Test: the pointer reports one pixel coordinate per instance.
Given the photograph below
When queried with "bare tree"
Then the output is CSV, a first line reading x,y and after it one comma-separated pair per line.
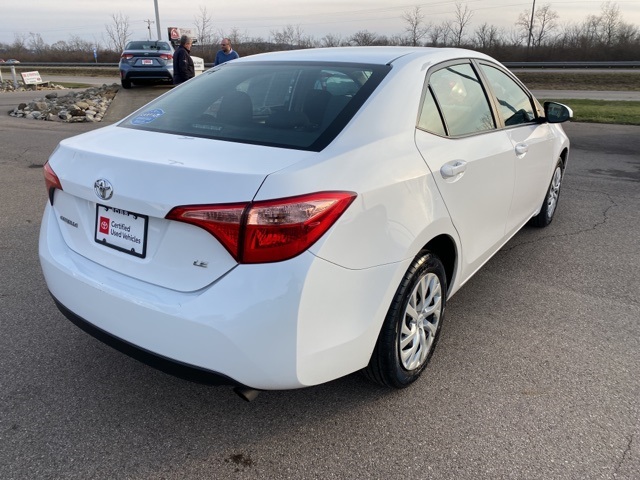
x,y
382,40
545,21
331,40
19,44
609,23
204,31
628,34
486,36
590,29
438,35
235,35
415,26
402,40
363,38
118,33
291,35
458,26
515,38
36,43
76,43
60,46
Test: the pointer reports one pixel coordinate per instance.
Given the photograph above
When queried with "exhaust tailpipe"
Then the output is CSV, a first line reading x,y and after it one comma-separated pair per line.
x,y
246,393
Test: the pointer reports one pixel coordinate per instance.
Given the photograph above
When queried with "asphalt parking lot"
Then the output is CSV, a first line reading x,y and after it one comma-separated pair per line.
x,y
537,374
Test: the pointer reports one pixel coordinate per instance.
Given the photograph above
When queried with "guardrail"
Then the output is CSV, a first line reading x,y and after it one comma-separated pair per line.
x,y
588,65
59,65
568,65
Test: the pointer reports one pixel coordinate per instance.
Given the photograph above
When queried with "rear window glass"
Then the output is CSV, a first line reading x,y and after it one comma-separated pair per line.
x,y
290,105
138,45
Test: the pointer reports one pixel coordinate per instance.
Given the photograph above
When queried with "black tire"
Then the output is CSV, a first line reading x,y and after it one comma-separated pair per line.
x,y
126,83
550,203
405,346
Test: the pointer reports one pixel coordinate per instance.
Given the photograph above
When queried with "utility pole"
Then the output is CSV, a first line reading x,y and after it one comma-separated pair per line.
x,y
533,11
149,22
157,19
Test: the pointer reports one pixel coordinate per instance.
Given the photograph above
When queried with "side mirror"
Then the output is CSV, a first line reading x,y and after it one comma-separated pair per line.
x,y
557,112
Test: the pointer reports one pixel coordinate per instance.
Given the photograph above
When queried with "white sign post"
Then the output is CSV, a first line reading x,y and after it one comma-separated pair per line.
x,y
15,79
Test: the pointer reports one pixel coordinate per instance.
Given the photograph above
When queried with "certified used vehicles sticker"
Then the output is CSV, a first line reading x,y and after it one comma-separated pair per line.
x,y
147,117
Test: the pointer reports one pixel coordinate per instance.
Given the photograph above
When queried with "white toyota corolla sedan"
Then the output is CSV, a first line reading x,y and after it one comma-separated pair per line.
x,y
290,218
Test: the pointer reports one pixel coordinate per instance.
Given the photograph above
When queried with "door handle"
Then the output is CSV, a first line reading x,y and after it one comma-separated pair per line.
x,y
453,169
522,148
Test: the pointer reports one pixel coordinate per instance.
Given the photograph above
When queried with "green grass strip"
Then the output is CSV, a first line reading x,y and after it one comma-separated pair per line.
x,y
603,111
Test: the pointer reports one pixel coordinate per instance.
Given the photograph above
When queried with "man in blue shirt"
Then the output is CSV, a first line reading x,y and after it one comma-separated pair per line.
x,y
226,54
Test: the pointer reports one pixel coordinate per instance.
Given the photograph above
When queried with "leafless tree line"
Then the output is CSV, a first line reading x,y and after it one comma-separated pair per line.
x,y
599,37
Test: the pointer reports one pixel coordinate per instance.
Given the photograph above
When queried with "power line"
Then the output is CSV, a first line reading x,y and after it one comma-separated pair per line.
x,y
149,22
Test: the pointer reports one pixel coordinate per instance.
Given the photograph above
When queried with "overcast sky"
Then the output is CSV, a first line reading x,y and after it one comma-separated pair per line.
x,y
61,19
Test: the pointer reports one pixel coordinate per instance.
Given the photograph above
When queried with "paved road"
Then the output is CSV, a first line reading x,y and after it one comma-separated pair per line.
x,y
588,94
537,375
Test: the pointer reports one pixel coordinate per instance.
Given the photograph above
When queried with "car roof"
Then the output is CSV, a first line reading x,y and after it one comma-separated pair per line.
x,y
370,55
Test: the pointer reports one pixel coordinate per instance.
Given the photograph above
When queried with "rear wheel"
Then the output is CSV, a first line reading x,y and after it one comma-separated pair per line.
x,y
411,329
550,203
126,83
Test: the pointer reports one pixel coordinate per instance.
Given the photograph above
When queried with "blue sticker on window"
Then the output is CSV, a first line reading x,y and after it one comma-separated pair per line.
x,y
147,117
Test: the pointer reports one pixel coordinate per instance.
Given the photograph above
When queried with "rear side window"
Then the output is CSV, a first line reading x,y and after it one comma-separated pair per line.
x,y
514,104
291,105
462,100
430,119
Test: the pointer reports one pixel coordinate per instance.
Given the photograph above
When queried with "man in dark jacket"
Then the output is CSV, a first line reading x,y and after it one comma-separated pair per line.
x,y
183,68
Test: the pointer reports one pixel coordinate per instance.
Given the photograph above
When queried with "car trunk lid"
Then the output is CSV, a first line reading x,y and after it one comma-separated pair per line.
x,y
141,176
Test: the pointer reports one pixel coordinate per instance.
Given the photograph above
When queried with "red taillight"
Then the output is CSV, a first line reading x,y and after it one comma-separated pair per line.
x,y
166,56
268,231
126,56
281,229
51,181
222,221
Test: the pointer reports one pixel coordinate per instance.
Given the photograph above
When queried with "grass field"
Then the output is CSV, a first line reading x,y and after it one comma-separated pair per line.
x,y
616,81
592,111
603,111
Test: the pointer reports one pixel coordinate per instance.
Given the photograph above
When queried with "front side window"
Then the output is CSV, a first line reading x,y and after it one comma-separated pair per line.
x,y
514,104
462,100
282,104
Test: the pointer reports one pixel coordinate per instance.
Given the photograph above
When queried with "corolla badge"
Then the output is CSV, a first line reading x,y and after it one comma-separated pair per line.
x,y
103,189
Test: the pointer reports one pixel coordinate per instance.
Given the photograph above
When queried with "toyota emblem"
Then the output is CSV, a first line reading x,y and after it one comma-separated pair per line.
x,y
103,189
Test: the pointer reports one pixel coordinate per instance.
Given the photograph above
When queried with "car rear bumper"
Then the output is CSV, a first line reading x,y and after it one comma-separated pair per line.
x,y
261,326
167,365
146,74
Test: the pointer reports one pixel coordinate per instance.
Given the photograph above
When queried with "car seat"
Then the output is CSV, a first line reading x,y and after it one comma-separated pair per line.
x,y
235,108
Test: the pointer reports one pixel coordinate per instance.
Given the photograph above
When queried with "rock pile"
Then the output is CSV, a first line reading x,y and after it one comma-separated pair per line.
x,y
8,86
89,105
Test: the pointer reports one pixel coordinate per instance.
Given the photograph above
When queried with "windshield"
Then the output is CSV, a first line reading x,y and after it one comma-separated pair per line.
x,y
291,105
